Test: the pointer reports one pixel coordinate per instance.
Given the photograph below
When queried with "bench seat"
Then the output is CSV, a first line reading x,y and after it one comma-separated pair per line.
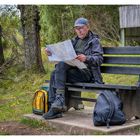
x,y
92,86
117,60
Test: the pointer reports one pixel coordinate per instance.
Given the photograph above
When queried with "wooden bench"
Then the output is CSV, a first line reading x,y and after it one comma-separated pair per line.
x,y
117,60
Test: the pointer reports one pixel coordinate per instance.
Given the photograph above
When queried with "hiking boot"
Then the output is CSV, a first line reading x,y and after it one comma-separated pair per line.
x,y
59,103
52,114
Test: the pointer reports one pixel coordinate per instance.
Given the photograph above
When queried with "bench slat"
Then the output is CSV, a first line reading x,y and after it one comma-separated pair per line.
x,y
83,99
122,50
122,60
91,86
120,70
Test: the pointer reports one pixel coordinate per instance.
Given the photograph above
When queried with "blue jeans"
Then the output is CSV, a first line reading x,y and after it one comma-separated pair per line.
x,y
65,73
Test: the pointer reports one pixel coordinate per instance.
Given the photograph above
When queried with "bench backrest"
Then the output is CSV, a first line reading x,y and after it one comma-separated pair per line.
x,y
121,60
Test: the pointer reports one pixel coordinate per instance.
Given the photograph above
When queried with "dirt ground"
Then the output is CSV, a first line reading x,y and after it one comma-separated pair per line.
x,y
16,128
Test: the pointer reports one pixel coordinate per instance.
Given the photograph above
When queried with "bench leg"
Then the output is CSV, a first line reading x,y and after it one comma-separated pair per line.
x,y
131,103
76,104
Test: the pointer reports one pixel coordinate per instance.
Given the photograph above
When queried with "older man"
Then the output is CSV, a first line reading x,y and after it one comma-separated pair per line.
x,y
88,49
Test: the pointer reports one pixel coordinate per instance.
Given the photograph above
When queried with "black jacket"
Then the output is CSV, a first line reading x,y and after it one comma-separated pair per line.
x,y
94,53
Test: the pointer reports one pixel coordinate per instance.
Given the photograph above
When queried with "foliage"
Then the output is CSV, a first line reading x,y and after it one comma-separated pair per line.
x,y
104,20
11,36
57,21
9,20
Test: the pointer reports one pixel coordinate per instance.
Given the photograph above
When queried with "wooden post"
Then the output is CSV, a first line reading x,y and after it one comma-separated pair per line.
x,y
131,103
122,37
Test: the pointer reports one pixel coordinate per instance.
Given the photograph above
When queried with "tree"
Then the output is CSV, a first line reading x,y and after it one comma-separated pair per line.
x,y
31,34
1,48
57,21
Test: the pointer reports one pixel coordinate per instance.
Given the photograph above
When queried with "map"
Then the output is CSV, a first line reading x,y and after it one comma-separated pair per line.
x,y
64,51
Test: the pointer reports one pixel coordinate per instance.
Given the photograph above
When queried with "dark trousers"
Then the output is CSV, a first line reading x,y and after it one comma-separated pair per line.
x,y
65,73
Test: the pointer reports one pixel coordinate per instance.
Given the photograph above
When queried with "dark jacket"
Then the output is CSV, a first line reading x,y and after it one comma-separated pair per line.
x,y
94,53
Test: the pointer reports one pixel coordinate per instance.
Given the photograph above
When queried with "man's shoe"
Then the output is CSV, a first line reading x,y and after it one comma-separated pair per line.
x,y
52,114
59,103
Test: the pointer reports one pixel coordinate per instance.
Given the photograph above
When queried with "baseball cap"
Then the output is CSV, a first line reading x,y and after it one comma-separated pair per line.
x,y
81,22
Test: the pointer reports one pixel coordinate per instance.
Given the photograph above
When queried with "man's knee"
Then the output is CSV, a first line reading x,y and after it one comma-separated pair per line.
x,y
60,65
71,75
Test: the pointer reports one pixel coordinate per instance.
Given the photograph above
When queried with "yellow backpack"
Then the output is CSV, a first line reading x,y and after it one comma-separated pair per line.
x,y
40,102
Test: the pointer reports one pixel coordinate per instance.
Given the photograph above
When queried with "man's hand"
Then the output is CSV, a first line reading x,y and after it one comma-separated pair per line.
x,y
48,52
81,57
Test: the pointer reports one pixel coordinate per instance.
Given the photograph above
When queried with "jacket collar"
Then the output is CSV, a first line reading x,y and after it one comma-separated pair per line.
x,y
91,36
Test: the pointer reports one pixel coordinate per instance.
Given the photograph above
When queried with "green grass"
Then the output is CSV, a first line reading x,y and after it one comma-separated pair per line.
x,y
87,95
36,124
137,129
16,95
120,79
32,123
17,90
4,133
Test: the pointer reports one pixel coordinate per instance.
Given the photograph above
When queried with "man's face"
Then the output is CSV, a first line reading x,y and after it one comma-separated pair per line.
x,y
81,31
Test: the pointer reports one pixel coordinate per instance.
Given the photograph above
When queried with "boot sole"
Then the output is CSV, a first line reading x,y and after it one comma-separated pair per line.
x,y
59,109
53,117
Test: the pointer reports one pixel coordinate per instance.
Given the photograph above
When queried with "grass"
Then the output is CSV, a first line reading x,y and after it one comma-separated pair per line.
x,y
4,133
36,124
17,90
137,130
120,79
32,123
17,94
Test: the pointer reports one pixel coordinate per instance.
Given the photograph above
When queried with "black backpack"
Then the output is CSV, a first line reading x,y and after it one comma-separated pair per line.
x,y
108,109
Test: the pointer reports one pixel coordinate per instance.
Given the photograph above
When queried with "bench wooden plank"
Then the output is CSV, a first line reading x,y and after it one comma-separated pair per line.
x,y
122,50
83,99
120,70
121,60
91,86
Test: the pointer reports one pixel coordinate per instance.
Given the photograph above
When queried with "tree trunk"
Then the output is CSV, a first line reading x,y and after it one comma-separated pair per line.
x,y
1,48
31,29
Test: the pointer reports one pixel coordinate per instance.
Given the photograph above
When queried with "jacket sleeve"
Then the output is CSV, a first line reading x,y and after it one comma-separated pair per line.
x,y
96,55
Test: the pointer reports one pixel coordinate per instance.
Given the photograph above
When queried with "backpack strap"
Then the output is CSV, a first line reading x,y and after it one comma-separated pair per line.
x,y
45,92
108,96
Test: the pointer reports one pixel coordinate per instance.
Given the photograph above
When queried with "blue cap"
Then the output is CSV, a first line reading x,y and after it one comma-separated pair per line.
x,y
81,22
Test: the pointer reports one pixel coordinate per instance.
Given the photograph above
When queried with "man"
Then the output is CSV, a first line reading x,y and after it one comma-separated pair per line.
x,y
89,51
